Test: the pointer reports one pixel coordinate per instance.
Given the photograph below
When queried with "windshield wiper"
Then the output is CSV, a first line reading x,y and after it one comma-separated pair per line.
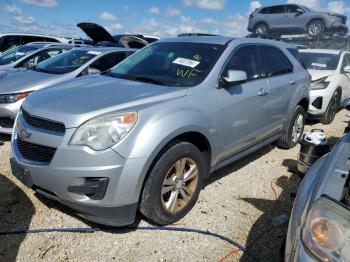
x,y
148,80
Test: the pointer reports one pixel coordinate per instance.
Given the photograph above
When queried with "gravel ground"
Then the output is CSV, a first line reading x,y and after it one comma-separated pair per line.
x,y
238,202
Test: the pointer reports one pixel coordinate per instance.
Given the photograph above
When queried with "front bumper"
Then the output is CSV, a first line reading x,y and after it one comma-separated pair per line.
x,y
71,166
319,101
9,111
337,26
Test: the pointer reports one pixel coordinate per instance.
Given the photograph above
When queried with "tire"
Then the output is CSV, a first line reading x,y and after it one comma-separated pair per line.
x,y
315,28
261,29
293,134
157,206
332,109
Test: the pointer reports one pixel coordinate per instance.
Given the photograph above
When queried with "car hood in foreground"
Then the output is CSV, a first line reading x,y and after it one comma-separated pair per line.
x,y
79,100
17,81
318,74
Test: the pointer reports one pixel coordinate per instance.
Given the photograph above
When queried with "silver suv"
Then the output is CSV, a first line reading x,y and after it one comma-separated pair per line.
x,y
295,19
147,134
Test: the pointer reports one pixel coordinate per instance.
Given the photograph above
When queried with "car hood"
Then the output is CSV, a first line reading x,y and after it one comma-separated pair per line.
x,y
96,32
16,81
79,100
318,74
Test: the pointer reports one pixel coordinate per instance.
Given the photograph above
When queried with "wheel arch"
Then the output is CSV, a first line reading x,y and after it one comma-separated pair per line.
x,y
305,104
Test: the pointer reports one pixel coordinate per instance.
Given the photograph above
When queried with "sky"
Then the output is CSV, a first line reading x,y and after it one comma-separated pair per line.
x,y
154,17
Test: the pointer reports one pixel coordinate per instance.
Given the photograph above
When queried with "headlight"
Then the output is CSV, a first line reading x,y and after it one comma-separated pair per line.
x,y
103,132
320,84
326,232
12,98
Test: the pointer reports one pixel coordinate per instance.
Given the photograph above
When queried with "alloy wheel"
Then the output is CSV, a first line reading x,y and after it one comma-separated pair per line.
x,y
315,29
298,128
261,30
179,185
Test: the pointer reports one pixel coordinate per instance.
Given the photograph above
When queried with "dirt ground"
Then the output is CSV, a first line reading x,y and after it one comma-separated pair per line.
x,y
239,202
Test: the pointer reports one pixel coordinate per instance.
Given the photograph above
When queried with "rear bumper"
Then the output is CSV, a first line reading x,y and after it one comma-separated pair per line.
x,y
338,27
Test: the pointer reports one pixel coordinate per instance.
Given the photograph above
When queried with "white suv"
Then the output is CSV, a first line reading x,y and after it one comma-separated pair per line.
x,y
330,86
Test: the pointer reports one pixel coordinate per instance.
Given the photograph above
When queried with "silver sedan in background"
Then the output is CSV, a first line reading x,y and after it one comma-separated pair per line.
x,y
30,55
15,86
319,228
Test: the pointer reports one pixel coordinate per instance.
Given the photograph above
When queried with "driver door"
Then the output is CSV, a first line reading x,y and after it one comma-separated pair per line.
x,y
242,111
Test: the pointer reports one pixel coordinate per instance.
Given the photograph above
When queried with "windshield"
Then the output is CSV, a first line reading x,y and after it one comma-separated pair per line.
x,y
320,61
66,62
15,54
170,64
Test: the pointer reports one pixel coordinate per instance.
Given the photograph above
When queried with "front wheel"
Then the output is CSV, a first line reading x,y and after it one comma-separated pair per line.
x,y
293,134
332,109
315,28
174,184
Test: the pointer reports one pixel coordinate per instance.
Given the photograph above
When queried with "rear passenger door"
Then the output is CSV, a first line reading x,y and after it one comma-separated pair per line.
x,y
278,71
243,116
276,18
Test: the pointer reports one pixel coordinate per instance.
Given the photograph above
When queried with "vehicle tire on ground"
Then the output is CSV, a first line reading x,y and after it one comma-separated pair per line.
x,y
173,185
293,134
261,29
332,108
315,28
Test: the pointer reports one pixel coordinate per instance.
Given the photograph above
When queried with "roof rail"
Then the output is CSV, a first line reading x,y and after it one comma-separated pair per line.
x,y
195,34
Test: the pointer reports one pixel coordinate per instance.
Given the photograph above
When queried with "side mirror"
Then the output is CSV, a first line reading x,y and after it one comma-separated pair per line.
x,y
235,77
346,69
93,71
300,11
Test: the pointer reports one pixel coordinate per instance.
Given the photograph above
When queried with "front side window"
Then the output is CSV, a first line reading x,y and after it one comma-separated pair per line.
x,y
108,61
66,62
320,61
15,54
346,61
172,64
274,61
30,39
292,8
245,59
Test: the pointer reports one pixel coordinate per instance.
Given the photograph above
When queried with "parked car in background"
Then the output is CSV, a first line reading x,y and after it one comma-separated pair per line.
x,y
11,40
16,86
292,19
330,85
146,134
30,55
319,228
101,37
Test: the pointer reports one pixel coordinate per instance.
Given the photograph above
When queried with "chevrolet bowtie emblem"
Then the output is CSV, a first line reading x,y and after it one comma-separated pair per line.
x,y
24,134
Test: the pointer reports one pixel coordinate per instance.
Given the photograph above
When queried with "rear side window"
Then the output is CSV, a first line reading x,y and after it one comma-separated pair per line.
x,y
264,10
30,39
277,9
48,39
8,42
245,59
297,56
108,61
274,61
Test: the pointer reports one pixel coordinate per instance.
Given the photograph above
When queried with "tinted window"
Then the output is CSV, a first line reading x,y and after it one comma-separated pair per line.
x,y
48,39
274,61
320,61
15,54
292,8
8,42
264,10
172,64
245,59
346,61
30,39
135,44
108,61
277,9
297,56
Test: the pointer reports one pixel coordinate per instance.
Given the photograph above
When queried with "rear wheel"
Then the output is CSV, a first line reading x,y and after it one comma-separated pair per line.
x,y
262,29
315,28
294,132
173,186
332,109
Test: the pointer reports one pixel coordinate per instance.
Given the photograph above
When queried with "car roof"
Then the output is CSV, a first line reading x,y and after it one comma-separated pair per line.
x,y
219,40
106,49
327,51
30,34
48,44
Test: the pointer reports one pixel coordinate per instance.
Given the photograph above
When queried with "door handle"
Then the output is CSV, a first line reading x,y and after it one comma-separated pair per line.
x,y
292,82
263,92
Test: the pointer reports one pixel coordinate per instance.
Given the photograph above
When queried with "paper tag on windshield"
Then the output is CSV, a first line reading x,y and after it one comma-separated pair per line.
x,y
319,65
186,62
94,53
20,53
